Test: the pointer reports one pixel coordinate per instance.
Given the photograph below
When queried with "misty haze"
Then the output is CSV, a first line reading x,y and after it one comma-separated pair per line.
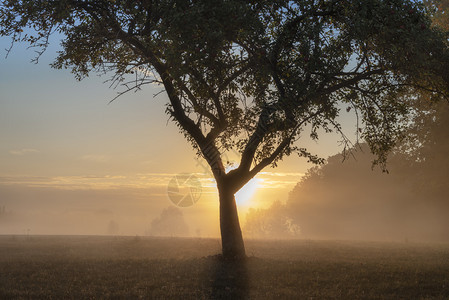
x,y
212,149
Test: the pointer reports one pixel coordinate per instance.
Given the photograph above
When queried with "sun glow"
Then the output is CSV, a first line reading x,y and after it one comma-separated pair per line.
x,y
244,196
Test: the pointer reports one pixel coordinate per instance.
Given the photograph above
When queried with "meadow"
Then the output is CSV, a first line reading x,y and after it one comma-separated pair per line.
x,y
98,267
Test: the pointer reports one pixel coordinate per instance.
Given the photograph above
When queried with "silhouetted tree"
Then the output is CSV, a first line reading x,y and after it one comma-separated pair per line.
x,y
252,75
427,151
2,212
170,223
349,200
346,199
113,227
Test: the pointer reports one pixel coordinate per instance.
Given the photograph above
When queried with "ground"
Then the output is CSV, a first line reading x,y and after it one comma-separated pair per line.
x,y
80,267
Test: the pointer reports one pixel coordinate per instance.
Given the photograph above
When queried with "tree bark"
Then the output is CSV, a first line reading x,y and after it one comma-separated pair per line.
x,y
231,235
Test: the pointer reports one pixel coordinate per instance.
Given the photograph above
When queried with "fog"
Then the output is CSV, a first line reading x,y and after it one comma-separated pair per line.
x,y
342,199
119,211
349,200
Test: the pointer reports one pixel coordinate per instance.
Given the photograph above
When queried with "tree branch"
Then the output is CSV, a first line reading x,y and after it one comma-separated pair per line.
x,y
206,145
350,82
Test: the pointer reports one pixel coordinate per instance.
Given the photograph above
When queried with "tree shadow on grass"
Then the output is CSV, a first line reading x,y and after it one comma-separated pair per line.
x,y
228,279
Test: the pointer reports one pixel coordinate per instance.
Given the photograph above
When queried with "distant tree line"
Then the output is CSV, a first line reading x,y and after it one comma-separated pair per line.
x,y
350,201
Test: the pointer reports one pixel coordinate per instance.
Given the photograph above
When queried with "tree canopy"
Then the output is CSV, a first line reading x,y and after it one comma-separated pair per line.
x,y
251,75
439,12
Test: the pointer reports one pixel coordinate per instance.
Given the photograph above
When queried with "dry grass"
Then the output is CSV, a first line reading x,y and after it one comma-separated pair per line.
x,y
163,268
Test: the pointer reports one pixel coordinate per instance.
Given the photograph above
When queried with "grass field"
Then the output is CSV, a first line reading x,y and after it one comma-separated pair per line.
x,y
80,267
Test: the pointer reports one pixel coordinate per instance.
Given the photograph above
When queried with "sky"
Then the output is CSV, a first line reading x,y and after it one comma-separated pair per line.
x,y
70,162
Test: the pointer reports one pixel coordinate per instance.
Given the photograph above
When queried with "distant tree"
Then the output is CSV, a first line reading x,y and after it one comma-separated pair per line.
x,y
349,200
3,213
346,199
113,227
273,222
170,223
427,147
252,75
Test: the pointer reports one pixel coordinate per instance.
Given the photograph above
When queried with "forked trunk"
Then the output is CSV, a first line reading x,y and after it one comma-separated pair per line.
x,y
231,234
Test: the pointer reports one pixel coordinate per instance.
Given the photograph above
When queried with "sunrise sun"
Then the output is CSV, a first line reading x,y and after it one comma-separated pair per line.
x,y
244,196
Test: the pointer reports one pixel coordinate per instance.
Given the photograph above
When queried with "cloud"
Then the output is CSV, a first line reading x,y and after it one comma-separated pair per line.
x,y
23,151
265,180
279,180
8,180
281,174
96,158
92,182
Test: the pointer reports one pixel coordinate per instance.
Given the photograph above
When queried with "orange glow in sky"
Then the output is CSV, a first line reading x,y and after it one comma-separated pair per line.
x,y
245,195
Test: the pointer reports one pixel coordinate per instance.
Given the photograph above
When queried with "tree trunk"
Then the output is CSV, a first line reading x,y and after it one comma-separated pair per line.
x,y
231,234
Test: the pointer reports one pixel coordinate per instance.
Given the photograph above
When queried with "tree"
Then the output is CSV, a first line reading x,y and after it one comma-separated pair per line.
x,y
252,76
348,200
271,222
426,147
170,223
113,227
439,10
